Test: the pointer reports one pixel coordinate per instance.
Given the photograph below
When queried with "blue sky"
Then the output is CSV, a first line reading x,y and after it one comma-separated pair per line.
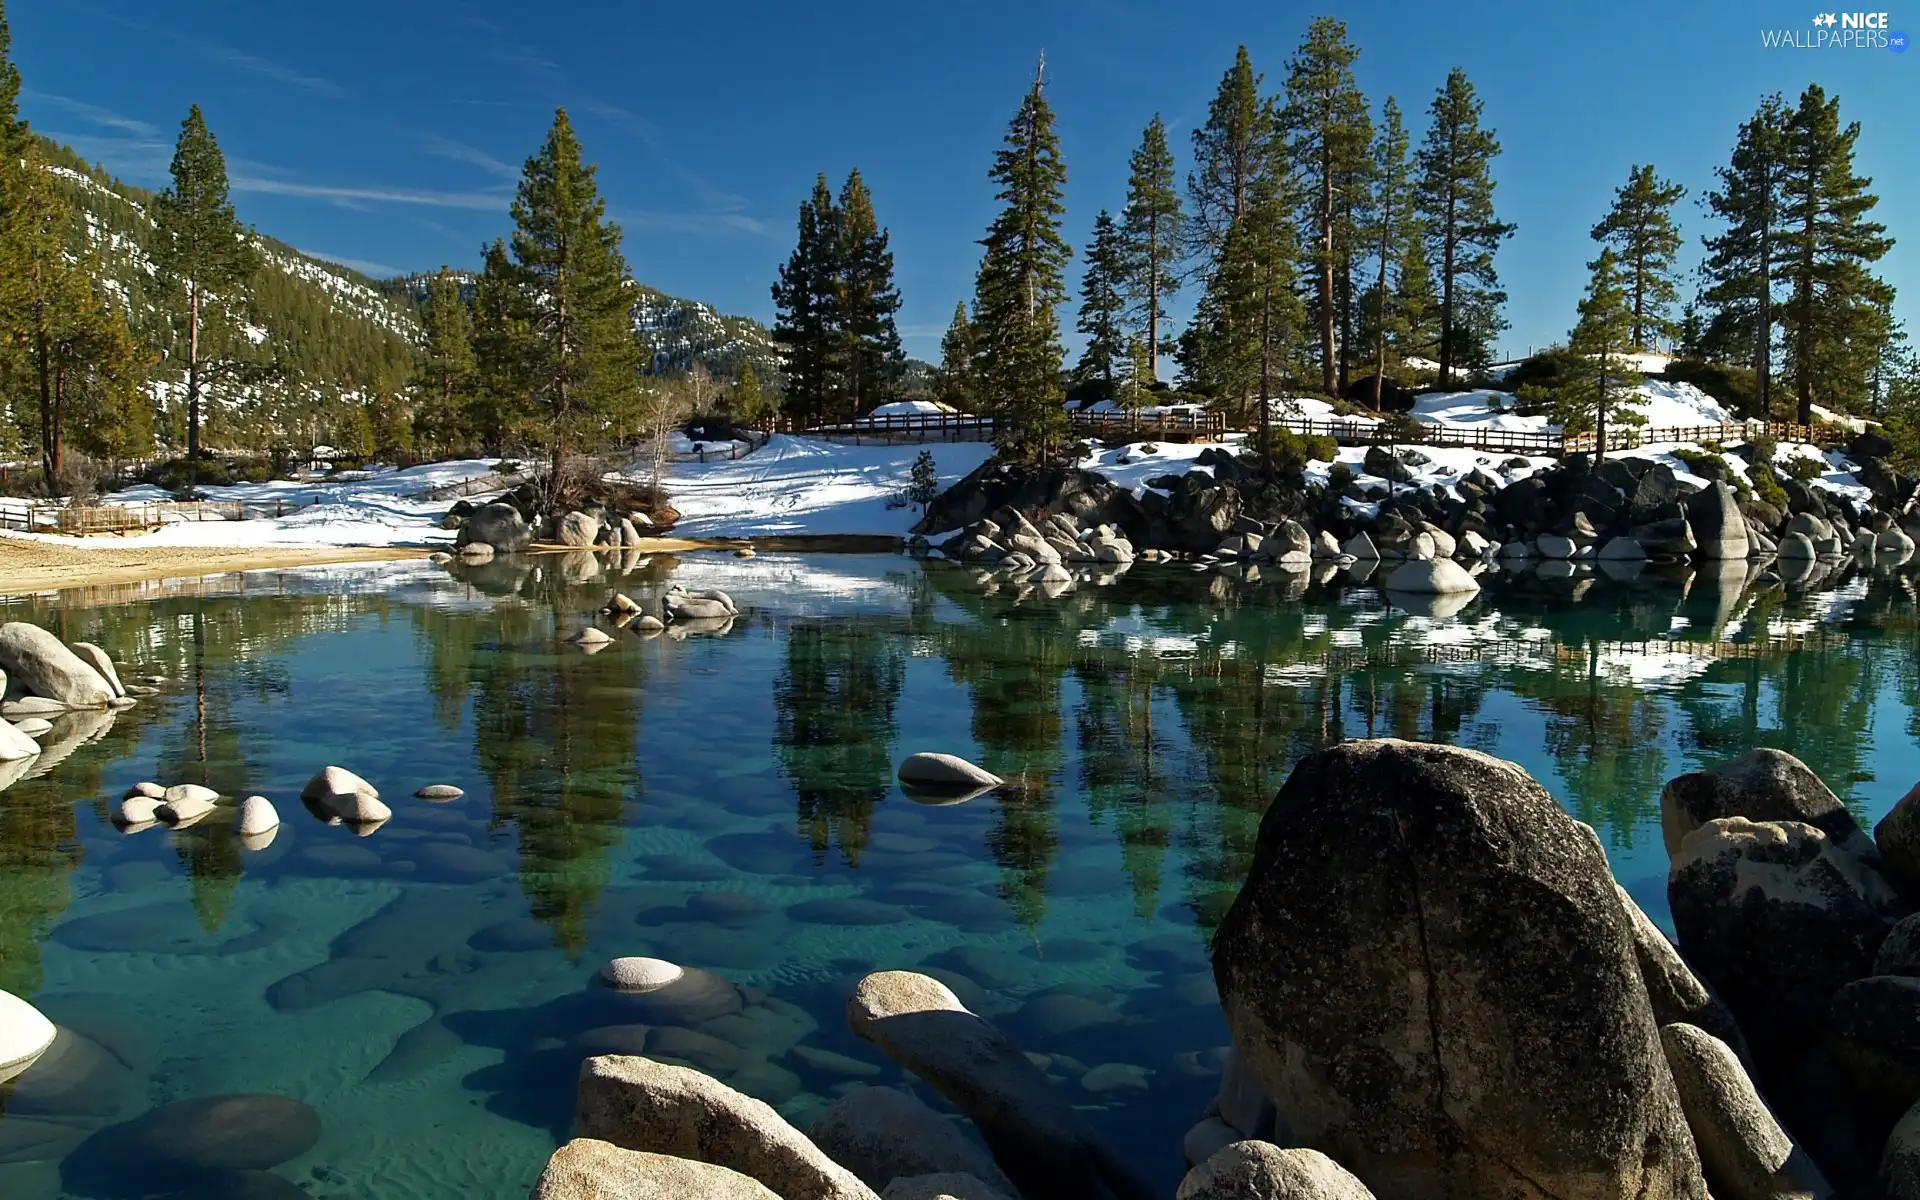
x,y
388,135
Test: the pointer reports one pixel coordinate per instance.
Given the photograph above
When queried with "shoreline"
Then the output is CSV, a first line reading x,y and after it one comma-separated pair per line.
x,y
33,567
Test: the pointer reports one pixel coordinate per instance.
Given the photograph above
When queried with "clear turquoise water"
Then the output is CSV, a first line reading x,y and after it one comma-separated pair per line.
x,y
427,990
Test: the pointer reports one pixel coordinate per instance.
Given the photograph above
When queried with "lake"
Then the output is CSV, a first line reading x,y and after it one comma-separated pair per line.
x,y
727,802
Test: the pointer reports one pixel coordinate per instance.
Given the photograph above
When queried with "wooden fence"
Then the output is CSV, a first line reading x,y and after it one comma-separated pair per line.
x,y
1347,431
41,516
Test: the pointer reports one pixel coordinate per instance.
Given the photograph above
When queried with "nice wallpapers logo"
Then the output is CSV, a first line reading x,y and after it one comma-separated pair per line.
x,y
1839,31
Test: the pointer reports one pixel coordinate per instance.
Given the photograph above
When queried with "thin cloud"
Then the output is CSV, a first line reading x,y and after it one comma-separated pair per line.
x,y
141,160
473,156
90,112
699,223
352,196
253,64
372,269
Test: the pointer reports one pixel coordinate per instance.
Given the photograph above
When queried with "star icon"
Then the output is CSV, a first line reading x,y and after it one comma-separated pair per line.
x,y
1829,20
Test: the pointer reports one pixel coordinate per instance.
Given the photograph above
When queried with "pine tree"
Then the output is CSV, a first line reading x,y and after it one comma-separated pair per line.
x,y
1151,226
954,382
502,328
447,366
583,361
749,402
1599,342
869,358
1102,307
1831,318
1231,153
203,251
1742,259
1327,131
1247,330
806,299
1018,356
1236,153
1391,235
14,175
1136,391
1640,230
1455,199
924,481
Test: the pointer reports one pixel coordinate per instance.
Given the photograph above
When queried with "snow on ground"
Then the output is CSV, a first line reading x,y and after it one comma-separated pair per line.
x,y
912,408
1856,424
1133,464
369,510
1481,408
679,444
797,485
1670,405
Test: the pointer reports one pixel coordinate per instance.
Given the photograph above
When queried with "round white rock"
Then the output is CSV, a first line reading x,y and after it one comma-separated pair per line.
x,y
640,974
24,1034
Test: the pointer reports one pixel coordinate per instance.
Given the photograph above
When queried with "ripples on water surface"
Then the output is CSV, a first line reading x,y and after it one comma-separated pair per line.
x,y
727,802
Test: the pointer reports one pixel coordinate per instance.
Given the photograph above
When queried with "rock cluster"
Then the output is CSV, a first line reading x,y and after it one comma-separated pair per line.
x,y
521,517
1227,514
53,696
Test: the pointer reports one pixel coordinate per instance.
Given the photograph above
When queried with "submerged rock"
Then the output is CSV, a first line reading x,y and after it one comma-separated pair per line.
x,y
178,1144
1038,1139
640,974
439,793
882,1134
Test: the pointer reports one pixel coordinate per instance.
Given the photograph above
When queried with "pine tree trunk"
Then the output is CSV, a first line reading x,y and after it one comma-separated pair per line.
x,y
193,370
1266,394
1600,421
1153,299
1382,302
43,359
1328,367
1803,336
1763,336
1447,246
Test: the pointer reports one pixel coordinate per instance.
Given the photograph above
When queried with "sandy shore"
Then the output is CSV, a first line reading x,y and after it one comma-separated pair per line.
x,y
35,566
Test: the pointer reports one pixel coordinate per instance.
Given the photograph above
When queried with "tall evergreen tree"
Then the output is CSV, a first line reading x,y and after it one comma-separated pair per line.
x,y
447,368
1247,330
750,403
582,359
954,382
1455,198
1231,152
1832,317
1328,134
1599,342
202,251
806,300
1392,236
869,360
1151,226
1020,283
502,329
1234,154
1640,229
1102,308
1741,260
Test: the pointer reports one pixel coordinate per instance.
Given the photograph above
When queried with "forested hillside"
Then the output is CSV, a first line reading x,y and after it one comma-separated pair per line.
x,y
318,331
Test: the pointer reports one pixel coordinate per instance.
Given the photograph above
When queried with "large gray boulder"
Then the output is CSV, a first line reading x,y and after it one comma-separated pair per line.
x,y
102,665
1875,1039
588,1169
1431,577
1898,838
1039,1140
1674,991
1263,1171
41,663
1761,785
1430,970
882,1134
929,769
1743,1150
638,1104
1900,1162
1777,916
500,526
1714,515
579,530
